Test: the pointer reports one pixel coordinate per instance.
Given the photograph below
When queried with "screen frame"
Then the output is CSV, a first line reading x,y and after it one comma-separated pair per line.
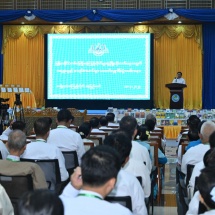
x,y
98,104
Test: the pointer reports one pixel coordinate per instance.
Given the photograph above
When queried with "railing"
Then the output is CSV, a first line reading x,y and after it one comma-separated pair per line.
x,y
104,4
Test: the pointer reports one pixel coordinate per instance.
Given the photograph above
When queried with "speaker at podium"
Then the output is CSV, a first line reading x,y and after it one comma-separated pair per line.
x,y
176,95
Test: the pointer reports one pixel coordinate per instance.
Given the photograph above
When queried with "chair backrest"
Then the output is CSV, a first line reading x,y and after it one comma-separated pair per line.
x,y
71,160
80,117
100,134
16,186
123,200
108,130
158,140
154,152
96,140
74,128
88,145
183,146
51,170
190,168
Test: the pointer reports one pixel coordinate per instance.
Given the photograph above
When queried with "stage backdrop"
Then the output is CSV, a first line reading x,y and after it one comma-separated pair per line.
x,y
176,48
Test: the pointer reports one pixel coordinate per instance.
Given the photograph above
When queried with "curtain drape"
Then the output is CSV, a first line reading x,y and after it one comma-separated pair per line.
x,y
209,66
175,48
173,55
24,64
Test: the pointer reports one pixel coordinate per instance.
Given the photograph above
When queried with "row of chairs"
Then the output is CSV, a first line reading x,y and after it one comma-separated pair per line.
x,y
183,195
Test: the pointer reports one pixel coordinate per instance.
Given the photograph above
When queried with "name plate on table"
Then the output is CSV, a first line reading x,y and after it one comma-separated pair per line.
x,y
15,90
27,90
21,90
9,90
3,90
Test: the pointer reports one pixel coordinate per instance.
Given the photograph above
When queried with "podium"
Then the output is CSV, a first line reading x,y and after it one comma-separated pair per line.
x,y
176,95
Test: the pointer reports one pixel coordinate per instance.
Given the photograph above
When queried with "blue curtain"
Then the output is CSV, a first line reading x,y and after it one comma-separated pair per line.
x,y
1,55
208,97
206,16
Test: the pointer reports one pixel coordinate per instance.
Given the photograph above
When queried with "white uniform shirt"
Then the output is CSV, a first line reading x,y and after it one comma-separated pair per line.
x,y
137,168
193,208
91,203
179,154
113,124
210,212
43,150
67,140
97,130
193,156
5,133
4,150
141,154
178,81
128,185
6,207
196,172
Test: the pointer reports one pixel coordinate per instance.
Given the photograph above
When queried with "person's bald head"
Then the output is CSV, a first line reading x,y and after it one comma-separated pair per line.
x,y
206,130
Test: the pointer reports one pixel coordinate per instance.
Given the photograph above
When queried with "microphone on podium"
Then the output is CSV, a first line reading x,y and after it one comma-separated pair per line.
x,y
175,79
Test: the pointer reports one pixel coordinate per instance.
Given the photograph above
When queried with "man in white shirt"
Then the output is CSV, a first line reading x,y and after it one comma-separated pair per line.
x,y
178,79
12,166
196,154
94,122
95,180
63,137
17,125
127,183
111,120
208,160
4,151
6,207
138,152
40,149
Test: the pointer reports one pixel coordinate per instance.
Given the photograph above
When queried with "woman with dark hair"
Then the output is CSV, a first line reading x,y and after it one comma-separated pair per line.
x,y
84,130
206,185
142,137
40,202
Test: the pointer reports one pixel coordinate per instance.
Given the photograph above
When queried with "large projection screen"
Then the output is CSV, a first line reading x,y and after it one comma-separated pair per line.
x,y
95,71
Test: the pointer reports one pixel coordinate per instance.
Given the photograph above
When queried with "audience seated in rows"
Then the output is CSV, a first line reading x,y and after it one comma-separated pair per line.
x,y
206,190
198,141
123,143
43,202
196,154
192,123
94,122
43,150
16,145
202,164
138,152
92,183
151,122
192,143
63,137
142,138
6,207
